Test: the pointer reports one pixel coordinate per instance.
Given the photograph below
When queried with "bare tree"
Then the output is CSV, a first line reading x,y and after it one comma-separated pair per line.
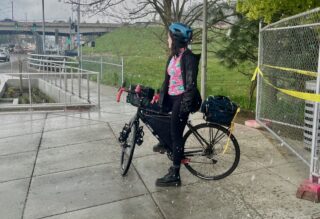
x,y
166,11
94,7
163,12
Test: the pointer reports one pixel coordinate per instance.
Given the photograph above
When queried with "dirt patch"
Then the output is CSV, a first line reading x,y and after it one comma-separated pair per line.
x,y
36,95
244,116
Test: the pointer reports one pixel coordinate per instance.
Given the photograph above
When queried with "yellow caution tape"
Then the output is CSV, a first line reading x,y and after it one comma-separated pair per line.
x,y
226,146
255,73
301,95
297,94
303,72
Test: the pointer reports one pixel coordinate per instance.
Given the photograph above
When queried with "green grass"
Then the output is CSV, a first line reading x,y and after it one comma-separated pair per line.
x,y
145,58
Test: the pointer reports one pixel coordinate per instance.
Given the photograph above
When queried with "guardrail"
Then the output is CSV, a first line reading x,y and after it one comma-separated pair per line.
x,y
59,77
42,61
111,68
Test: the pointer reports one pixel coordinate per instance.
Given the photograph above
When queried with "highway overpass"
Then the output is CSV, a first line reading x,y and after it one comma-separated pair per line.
x,y
62,29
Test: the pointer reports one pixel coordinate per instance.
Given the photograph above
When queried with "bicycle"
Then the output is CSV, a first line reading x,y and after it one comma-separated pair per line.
x,y
211,151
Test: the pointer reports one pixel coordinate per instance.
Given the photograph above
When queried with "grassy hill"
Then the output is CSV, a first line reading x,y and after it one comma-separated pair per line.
x,y
145,58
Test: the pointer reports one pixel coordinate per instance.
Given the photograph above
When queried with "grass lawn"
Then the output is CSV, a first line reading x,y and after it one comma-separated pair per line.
x,y
145,58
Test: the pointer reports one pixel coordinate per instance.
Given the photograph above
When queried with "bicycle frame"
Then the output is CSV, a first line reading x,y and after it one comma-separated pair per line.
x,y
140,115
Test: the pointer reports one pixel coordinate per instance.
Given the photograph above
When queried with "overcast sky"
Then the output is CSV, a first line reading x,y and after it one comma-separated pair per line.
x,y
32,10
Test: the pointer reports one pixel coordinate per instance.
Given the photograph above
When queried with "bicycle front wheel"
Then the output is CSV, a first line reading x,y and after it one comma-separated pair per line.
x,y
128,148
212,152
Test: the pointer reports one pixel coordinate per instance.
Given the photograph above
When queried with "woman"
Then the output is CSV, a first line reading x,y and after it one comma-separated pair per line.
x,y
179,93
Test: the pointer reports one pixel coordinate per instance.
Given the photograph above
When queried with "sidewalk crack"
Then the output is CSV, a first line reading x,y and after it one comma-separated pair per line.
x,y
34,165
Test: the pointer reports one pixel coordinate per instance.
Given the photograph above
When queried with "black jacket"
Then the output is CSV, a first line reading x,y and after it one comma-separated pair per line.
x,y
189,71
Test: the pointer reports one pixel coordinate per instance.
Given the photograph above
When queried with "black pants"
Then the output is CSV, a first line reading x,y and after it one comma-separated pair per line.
x,y
178,123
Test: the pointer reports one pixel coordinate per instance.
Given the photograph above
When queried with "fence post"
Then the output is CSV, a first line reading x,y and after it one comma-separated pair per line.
x,y
60,71
258,75
11,65
88,87
80,78
30,97
20,77
44,69
55,74
39,63
65,84
314,173
122,71
71,71
65,71
99,78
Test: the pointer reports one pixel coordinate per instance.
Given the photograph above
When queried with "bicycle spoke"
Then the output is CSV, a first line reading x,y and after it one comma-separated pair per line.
x,y
204,146
218,138
210,163
200,138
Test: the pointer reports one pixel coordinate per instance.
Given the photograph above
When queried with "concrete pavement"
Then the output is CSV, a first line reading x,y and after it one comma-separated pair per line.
x,y
5,67
66,165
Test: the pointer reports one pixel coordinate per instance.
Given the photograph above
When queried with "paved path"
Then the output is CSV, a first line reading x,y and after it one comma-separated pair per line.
x,y
66,165
5,67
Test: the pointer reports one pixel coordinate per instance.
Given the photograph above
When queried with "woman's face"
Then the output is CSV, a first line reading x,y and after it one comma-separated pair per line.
x,y
169,41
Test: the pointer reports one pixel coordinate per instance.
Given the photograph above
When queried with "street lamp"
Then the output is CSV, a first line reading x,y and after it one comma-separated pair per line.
x,y
43,29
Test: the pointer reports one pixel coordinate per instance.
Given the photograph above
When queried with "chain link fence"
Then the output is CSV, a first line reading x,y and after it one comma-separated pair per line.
x,y
288,72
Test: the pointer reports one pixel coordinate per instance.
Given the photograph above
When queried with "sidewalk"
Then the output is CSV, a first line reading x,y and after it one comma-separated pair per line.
x,y
66,165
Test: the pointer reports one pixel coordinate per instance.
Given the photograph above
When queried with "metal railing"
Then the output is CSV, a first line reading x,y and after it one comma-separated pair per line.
x,y
59,78
289,85
45,61
111,68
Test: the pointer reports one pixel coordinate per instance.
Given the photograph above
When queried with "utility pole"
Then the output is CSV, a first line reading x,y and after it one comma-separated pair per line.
x,y
78,30
43,29
204,51
11,10
70,33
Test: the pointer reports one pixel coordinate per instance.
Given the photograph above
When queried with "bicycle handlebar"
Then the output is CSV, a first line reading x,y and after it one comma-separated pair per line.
x,y
120,93
137,90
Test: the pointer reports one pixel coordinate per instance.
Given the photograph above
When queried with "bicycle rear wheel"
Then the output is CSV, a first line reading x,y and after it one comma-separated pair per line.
x,y
210,154
128,148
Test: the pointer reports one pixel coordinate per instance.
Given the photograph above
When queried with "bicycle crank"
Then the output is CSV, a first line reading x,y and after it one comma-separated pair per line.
x,y
139,136
124,133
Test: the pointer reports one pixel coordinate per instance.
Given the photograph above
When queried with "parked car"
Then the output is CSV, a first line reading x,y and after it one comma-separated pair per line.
x,y
71,53
4,55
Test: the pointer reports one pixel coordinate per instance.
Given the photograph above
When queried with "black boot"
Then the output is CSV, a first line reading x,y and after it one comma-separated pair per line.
x,y
159,148
170,179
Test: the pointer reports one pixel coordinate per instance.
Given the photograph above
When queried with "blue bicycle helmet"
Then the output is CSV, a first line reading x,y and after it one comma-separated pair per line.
x,y
181,32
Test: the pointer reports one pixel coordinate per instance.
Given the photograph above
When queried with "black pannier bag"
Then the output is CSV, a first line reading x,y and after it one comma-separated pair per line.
x,y
140,99
160,124
219,109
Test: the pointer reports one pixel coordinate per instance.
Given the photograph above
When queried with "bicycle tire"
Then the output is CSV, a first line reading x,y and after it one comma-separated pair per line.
x,y
210,157
128,148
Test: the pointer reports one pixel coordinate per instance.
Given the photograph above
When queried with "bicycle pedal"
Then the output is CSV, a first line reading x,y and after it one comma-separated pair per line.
x,y
185,161
125,145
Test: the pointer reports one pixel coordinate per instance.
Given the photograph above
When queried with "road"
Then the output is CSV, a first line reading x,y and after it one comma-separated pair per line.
x,y
5,67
